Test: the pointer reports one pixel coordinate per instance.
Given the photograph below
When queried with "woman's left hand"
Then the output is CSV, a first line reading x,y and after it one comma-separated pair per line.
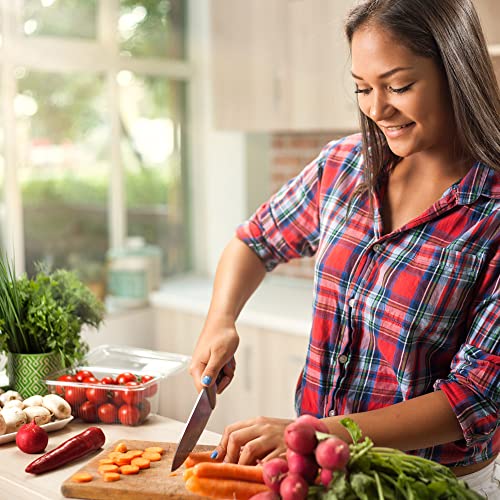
x,y
249,441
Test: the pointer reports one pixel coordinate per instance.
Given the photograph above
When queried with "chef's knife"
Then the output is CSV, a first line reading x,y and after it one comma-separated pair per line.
x,y
196,423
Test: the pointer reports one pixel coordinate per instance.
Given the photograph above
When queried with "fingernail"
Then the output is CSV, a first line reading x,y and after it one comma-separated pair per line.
x,y
206,380
214,454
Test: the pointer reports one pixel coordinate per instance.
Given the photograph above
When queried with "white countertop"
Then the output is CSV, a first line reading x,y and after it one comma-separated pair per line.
x,y
281,304
19,485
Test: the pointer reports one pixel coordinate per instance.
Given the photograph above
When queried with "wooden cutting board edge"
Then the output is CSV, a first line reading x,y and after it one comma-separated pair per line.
x,y
133,487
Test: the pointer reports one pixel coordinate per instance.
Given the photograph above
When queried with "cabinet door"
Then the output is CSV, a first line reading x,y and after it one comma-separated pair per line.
x,y
321,87
249,64
284,356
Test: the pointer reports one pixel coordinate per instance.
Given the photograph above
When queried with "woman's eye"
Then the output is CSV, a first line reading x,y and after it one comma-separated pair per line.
x,y
362,91
401,90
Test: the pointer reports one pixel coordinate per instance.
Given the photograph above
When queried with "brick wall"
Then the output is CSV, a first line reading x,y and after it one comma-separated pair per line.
x,y
290,153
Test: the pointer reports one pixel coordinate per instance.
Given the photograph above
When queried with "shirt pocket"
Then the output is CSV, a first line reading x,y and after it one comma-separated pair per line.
x,y
432,290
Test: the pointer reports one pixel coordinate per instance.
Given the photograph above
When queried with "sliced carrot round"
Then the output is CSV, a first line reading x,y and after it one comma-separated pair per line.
x,y
129,469
82,477
111,476
151,456
155,449
142,463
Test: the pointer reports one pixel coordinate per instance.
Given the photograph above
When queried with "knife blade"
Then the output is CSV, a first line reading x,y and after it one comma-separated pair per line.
x,y
195,425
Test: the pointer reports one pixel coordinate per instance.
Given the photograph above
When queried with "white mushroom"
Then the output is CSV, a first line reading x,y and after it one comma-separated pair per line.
x,y
14,403
3,425
34,401
39,414
9,396
14,418
57,405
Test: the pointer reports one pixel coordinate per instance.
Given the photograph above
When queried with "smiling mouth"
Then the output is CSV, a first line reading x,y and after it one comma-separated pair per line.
x,y
398,127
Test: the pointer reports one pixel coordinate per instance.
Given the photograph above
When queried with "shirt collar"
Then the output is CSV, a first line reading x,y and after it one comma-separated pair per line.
x,y
480,180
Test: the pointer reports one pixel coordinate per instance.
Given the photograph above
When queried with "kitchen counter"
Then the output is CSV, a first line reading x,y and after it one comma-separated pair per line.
x,y
18,485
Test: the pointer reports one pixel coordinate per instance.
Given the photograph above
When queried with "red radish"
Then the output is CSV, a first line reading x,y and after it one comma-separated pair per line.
x,y
31,438
273,472
303,465
318,424
325,477
293,487
301,437
266,495
332,453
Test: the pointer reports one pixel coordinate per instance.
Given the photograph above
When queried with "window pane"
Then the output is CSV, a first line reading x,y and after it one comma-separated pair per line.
x,y
153,120
67,18
152,28
63,165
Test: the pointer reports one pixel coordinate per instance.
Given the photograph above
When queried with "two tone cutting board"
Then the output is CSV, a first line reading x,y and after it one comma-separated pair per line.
x,y
154,483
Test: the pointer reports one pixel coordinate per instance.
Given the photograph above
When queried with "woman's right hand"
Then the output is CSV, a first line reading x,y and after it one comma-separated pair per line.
x,y
214,353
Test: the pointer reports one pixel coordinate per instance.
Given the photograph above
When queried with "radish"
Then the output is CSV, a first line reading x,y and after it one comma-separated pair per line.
x,y
31,438
325,477
293,487
303,465
318,424
266,495
301,437
273,472
332,453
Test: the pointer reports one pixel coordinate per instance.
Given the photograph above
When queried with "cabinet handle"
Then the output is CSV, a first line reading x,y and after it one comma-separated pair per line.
x,y
247,360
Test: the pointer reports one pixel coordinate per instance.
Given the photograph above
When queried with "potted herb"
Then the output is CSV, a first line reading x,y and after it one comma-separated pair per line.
x,y
41,319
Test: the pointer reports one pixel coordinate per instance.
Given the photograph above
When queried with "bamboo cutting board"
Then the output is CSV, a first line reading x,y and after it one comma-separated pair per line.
x,y
149,484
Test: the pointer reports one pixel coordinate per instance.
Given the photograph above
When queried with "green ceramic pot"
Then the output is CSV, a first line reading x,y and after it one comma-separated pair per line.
x,y
27,372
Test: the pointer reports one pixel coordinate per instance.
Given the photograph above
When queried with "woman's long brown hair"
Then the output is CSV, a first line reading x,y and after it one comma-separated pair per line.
x,y
449,32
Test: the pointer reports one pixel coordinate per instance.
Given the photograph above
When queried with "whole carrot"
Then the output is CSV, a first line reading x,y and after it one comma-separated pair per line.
x,y
224,488
239,472
89,440
196,457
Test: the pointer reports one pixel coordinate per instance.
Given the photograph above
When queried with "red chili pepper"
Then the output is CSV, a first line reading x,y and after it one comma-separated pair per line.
x,y
89,440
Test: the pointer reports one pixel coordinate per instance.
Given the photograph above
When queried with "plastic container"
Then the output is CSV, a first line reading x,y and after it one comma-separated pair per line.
x,y
109,397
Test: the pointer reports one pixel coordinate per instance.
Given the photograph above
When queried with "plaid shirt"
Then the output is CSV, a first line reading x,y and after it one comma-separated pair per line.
x,y
395,315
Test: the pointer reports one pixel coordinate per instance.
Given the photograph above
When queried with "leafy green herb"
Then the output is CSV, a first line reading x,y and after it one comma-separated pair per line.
x,y
46,313
376,473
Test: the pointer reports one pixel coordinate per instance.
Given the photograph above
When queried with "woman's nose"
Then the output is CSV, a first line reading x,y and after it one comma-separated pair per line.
x,y
380,107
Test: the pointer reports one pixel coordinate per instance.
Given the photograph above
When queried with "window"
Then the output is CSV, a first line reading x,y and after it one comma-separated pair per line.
x,y
93,140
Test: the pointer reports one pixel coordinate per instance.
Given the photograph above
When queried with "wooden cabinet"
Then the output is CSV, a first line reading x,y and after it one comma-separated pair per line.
x,y
281,65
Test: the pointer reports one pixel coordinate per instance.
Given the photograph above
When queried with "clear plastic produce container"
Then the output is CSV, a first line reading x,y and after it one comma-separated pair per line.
x,y
116,384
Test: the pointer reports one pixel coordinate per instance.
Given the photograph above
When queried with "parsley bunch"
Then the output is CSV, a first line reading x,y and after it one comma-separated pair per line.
x,y
376,473
46,313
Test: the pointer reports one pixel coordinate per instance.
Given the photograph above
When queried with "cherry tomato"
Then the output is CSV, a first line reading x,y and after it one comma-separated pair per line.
x,y
108,381
144,409
125,377
97,396
64,378
74,395
82,374
90,380
133,396
129,415
107,413
151,389
116,397
88,412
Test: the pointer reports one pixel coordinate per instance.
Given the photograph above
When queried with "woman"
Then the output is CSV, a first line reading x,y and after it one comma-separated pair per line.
x,y
404,221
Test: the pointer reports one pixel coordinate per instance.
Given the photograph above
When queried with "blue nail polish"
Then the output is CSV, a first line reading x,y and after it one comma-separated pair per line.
x,y
214,454
206,380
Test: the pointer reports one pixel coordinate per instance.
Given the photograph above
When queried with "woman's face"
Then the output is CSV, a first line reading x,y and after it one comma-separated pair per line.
x,y
406,95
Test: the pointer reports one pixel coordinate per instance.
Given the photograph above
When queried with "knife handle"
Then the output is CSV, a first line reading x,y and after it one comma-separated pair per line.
x,y
212,390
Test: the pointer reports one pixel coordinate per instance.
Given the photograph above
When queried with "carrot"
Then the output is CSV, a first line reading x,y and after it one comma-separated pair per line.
x,y
196,457
113,454
106,461
129,469
123,459
224,488
187,473
151,456
135,453
102,469
82,477
239,472
156,449
111,476
142,463
121,447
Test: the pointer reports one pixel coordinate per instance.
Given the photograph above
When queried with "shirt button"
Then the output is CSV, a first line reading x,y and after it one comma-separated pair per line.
x,y
342,359
352,302
377,248
331,413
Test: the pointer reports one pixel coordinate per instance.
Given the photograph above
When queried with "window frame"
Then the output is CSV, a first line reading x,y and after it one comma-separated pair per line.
x,y
68,55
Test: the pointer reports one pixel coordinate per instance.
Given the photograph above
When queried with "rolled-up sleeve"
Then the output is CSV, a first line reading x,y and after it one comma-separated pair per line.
x,y
287,225
473,385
